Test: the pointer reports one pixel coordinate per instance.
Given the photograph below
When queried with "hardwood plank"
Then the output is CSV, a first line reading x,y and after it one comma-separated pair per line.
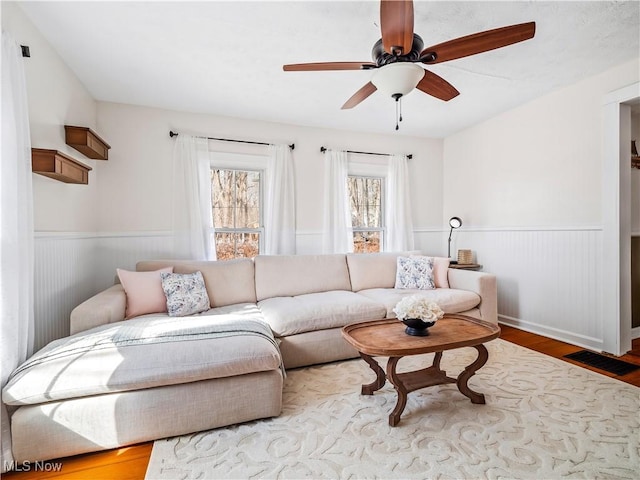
x,y
558,349
130,463
635,347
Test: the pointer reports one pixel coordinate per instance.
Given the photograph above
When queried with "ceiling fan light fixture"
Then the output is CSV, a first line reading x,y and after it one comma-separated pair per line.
x,y
397,78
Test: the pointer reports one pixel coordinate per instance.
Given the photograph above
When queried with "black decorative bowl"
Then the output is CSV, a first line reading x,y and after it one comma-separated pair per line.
x,y
417,327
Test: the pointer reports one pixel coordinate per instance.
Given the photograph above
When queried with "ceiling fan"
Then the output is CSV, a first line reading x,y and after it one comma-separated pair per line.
x,y
396,54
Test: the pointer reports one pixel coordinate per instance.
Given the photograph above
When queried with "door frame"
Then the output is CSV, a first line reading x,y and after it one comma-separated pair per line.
x,y
616,228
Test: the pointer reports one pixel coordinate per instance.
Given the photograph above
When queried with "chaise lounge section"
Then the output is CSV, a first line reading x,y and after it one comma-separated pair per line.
x,y
116,382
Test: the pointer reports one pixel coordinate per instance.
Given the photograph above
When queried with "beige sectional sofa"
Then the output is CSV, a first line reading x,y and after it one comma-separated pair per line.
x,y
116,382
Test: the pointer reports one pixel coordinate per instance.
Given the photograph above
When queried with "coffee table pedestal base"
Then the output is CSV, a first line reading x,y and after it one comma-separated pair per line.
x,y
407,382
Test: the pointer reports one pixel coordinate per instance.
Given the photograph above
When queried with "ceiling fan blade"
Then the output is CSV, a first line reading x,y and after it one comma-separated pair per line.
x,y
309,67
359,96
436,86
396,24
478,43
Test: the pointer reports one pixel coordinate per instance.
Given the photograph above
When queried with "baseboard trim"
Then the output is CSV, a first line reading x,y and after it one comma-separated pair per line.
x,y
635,333
557,334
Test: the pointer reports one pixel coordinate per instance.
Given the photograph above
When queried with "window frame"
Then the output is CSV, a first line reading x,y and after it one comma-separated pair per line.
x,y
377,171
246,163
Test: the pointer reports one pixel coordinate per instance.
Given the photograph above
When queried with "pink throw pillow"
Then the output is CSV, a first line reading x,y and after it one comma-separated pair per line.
x,y
440,272
144,291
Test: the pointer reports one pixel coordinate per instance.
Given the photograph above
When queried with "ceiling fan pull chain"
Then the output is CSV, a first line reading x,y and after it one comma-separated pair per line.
x,y
397,114
398,99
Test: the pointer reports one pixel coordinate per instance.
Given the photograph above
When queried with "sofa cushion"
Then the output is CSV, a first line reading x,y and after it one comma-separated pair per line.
x,y
143,291
228,283
288,275
312,348
373,270
318,311
449,299
162,351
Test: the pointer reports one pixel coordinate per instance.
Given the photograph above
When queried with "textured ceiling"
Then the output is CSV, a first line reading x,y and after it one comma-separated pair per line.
x,y
226,58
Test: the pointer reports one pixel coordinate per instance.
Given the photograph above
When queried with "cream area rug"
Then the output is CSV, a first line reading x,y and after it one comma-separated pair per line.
x,y
543,419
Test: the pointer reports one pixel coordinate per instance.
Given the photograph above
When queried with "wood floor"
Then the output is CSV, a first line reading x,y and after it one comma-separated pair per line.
x,y
558,349
130,463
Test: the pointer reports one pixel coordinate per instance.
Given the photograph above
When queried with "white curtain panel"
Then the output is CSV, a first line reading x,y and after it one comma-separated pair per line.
x,y
16,211
280,211
192,216
399,226
337,235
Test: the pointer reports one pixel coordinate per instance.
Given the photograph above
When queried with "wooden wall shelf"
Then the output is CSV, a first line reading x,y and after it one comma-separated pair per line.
x,y
57,165
465,266
87,142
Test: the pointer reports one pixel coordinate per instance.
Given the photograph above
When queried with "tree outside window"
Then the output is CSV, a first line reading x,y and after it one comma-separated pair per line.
x,y
237,212
365,198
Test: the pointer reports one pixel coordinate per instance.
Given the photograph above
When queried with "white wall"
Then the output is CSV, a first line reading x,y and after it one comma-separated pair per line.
x,y
56,97
134,191
536,165
63,262
527,185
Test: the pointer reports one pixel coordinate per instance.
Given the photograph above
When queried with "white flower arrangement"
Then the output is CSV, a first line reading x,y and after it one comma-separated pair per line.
x,y
418,306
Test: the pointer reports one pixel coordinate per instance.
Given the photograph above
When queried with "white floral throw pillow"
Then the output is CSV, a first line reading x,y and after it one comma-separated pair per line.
x,y
415,272
186,293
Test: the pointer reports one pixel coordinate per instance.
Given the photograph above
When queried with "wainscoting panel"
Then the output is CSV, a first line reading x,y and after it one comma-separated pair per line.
x,y
64,277
69,268
431,242
549,280
125,250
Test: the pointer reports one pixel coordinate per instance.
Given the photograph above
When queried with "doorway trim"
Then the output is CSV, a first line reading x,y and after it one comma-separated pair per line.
x,y
616,247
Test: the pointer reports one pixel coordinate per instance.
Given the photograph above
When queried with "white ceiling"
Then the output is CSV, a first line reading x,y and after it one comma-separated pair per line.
x,y
226,58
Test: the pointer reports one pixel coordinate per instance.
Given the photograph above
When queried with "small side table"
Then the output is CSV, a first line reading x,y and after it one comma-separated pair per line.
x,y
466,266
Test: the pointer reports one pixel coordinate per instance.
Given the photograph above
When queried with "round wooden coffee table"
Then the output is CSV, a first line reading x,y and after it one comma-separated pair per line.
x,y
387,338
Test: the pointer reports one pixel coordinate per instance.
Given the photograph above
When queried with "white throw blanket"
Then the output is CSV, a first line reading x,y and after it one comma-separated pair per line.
x,y
153,329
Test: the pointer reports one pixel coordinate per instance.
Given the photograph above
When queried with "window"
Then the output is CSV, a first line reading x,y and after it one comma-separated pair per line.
x,y
365,198
237,212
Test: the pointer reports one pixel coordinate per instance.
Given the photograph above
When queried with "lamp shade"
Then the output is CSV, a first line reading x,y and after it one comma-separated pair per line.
x,y
397,78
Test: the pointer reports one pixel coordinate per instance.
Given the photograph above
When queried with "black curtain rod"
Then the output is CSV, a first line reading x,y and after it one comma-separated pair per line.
x,y
291,146
324,149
